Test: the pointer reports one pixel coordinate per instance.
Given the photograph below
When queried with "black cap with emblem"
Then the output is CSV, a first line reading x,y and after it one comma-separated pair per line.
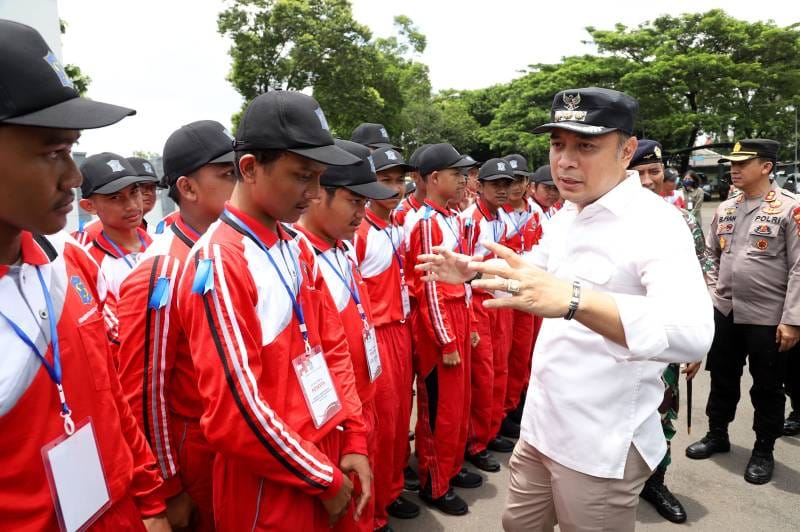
x,y
519,165
360,177
543,175
751,148
372,135
441,157
106,173
416,154
495,169
387,158
35,90
647,151
144,169
291,121
592,111
195,145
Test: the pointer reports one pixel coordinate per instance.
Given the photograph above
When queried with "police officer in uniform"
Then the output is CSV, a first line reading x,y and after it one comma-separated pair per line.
x,y
753,249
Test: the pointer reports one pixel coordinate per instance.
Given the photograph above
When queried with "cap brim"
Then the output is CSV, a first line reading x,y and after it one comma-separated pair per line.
x,y
736,158
373,190
331,155
224,158
495,177
522,173
462,163
148,179
118,184
379,145
577,127
76,113
406,167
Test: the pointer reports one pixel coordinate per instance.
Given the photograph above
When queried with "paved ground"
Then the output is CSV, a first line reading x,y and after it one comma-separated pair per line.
x,y
713,491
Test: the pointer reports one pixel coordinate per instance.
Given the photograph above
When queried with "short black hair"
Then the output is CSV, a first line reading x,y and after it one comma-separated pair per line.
x,y
263,157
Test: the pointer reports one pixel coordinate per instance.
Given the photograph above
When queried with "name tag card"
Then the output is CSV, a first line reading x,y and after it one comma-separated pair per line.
x,y
373,355
315,381
76,477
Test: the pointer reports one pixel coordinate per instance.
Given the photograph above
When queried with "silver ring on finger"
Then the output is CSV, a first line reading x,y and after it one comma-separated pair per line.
x,y
512,286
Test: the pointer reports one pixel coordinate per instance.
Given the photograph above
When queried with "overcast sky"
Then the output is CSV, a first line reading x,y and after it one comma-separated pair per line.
x,y
165,59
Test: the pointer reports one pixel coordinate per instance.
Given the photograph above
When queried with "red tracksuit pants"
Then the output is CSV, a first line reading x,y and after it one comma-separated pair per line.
x,y
195,460
443,395
526,329
489,373
393,413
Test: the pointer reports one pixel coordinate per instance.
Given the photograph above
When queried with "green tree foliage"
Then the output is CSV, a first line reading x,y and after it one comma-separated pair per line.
x,y
79,79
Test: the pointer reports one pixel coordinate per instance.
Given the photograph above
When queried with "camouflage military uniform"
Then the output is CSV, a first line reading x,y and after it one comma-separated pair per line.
x,y
671,376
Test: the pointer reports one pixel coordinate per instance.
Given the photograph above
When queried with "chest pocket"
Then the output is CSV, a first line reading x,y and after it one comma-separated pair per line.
x,y
762,240
594,271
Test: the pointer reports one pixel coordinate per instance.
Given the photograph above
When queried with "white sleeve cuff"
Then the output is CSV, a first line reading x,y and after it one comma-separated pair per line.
x,y
645,334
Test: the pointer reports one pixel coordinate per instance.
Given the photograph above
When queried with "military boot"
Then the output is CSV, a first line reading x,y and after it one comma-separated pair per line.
x,y
657,493
716,441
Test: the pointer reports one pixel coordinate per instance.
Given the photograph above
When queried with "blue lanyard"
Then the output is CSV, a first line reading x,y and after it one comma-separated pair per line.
x,y
526,216
493,222
298,308
349,283
458,239
388,232
119,251
53,371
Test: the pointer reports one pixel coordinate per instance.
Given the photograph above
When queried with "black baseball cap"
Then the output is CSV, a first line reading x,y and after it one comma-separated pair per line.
x,y
751,148
592,111
648,151
386,158
291,121
195,145
543,175
35,90
360,177
106,173
144,169
670,174
440,157
519,165
495,169
470,162
414,159
372,135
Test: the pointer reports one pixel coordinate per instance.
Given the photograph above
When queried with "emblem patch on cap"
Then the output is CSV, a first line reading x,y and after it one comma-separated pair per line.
x,y
115,165
322,121
392,156
513,163
148,167
737,147
384,133
58,68
501,167
657,151
371,163
571,103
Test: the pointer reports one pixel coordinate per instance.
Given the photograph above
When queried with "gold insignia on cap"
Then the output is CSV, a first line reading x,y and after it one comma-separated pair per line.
x,y
737,147
657,151
571,101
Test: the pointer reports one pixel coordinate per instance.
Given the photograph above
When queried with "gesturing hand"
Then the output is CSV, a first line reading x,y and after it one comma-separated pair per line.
x,y
446,266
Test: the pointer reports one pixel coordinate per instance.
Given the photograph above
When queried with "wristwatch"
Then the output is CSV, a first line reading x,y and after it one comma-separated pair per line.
x,y
574,301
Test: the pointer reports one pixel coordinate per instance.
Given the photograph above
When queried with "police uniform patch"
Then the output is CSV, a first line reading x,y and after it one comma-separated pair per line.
x,y
775,203
740,198
771,210
730,211
83,293
762,244
770,196
763,229
722,242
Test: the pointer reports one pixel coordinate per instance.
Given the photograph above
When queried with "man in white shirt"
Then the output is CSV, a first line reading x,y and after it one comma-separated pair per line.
x,y
591,433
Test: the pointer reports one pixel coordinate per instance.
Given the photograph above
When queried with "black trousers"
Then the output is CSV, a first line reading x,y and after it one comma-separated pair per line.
x,y
733,345
793,378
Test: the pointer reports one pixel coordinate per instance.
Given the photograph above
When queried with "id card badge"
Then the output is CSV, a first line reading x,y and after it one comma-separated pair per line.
x,y
406,300
77,481
315,381
468,293
373,355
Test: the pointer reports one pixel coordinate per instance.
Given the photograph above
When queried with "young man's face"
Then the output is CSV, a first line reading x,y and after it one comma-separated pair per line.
x,y
516,191
651,175
422,185
546,195
585,168
148,191
211,186
449,183
749,173
339,214
37,175
495,192
120,210
395,179
472,179
284,188
668,186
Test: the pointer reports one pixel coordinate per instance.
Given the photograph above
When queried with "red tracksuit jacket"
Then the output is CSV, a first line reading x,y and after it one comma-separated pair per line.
x,y
523,228
481,226
156,368
336,259
29,404
244,335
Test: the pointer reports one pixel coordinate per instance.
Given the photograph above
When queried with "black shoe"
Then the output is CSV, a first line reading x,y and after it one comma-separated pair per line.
x,y
713,442
384,528
410,479
449,503
791,427
402,508
657,494
466,479
509,428
759,468
485,461
501,445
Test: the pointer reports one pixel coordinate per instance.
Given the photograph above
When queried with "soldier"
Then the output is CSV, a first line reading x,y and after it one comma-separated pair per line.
x,y
648,163
754,280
